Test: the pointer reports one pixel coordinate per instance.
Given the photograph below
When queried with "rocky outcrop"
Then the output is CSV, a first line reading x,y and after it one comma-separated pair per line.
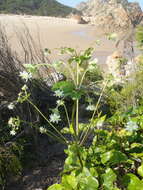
x,y
112,15
78,18
119,67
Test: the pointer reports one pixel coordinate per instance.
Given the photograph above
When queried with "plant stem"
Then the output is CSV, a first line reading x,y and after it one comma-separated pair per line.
x,y
91,122
67,115
78,155
73,120
77,118
83,77
77,101
37,109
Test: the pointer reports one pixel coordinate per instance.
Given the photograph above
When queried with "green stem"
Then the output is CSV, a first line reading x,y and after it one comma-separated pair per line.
x,y
67,115
77,101
83,77
77,118
78,155
91,122
49,133
73,120
37,109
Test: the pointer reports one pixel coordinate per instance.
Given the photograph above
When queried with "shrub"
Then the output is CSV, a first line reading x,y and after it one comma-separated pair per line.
x,y
113,161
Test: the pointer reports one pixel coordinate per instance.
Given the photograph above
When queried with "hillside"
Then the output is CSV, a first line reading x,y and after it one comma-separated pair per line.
x,y
35,7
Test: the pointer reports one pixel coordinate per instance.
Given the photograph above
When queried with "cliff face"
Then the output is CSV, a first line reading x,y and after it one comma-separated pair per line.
x,y
112,15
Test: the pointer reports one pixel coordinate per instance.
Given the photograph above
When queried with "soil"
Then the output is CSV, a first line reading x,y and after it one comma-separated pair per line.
x,y
45,172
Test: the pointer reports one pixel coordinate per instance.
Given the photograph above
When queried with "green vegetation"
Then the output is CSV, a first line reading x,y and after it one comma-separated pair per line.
x,y
35,7
139,36
104,151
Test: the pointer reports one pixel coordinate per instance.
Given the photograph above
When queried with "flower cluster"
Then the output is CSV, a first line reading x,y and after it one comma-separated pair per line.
x,y
25,75
90,107
131,126
59,93
55,117
23,95
60,102
42,130
11,106
14,123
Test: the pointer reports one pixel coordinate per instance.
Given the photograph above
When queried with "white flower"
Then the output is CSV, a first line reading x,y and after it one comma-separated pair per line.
x,y
11,106
131,126
128,73
25,75
91,67
93,62
24,87
42,130
99,124
60,102
12,132
10,122
59,93
55,118
14,122
90,108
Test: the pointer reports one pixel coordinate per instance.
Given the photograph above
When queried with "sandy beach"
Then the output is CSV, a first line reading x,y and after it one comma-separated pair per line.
x,y
53,33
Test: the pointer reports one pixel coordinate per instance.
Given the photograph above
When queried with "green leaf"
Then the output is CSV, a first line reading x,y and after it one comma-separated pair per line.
x,y
69,182
55,187
68,89
65,130
132,182
90,183
66,86
106,157
137,155
86,180
66,50
86,172
32,68
109,177
113,157
140,170
93,172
